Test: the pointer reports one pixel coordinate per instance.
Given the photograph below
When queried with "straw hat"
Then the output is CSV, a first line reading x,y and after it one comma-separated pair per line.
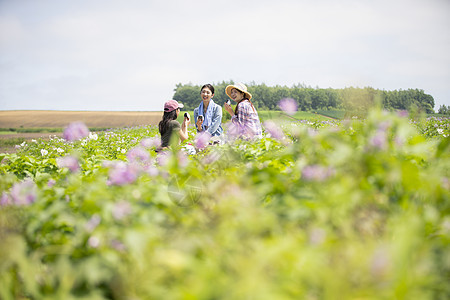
x,y
240,87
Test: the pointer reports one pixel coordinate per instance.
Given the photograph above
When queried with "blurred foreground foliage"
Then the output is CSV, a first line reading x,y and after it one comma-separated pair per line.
x,y
351,210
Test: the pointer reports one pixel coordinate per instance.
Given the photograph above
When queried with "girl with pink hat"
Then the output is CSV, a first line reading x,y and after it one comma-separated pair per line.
x,y
169,128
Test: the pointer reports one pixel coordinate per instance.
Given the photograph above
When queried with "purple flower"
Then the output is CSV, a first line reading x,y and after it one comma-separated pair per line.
x,y
317,236
69,162
288,105
212,157
274,130
138,155
75,131
51,182
93,222
118,245
152,171
163,158
24,193
402,113
5,199
151,142
94,242
182,158
379,140
317,173
121,210
233,131
381,262
122,173
385,125
202,140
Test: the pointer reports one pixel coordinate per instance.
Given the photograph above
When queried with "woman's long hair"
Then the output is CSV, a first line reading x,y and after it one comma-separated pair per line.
x,y
164,123
251,103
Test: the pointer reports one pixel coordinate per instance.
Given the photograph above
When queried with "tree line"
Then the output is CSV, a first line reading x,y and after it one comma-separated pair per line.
x,y
444,110
310,99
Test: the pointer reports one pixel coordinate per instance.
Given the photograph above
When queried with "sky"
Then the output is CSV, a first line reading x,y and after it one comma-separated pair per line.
x,y
111,55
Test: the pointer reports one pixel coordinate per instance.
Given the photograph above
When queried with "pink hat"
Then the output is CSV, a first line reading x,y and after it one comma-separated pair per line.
x,y
172,105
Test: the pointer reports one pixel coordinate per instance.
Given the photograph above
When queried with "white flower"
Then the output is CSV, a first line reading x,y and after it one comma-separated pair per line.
x,y
59,150
118,149
440,131
190,149
44,152
123,151
34,141
23,144
93,136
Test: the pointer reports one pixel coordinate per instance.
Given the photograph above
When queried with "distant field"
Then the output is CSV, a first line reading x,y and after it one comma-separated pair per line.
x,y
23,125
28,119
55,119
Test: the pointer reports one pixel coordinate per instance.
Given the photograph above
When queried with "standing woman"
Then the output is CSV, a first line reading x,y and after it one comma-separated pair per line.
x,y
208,115
169,128
245,116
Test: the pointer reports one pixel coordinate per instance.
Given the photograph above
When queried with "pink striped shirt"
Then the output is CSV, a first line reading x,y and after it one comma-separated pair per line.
x,y
247,120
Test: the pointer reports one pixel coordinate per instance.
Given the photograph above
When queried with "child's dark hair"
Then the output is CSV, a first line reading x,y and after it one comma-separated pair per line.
x,y
164,123
209,86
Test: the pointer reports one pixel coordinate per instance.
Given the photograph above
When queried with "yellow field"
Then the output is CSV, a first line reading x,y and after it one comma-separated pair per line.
x,y
53,118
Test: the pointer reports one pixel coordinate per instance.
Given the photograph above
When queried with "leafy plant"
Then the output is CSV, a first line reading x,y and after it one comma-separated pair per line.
x,y
358,208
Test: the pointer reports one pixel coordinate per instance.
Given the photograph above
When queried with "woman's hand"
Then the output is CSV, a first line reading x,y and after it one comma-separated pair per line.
x,y
186,122
183,131
199,124
228,108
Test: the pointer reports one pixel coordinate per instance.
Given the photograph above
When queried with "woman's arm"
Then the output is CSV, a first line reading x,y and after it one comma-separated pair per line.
x,y
183,131
195,118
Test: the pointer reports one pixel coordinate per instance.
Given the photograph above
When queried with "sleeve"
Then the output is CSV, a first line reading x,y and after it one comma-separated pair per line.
x,y
216,119
195,117
175,125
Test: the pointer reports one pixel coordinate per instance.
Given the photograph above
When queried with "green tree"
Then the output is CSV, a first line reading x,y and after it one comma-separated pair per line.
x,y
187,94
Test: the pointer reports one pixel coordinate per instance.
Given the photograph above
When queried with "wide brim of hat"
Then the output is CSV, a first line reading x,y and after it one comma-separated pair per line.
x,y
230,87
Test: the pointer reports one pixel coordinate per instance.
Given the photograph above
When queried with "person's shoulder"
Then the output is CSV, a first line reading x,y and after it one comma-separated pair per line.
x,y
174,123
245,104
217,106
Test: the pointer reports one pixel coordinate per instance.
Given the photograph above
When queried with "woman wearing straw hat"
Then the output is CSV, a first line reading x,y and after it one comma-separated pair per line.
x,y
169,126
245,116
208,115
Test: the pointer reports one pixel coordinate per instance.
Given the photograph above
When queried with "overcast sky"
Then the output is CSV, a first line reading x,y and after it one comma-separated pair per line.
x,y
129,55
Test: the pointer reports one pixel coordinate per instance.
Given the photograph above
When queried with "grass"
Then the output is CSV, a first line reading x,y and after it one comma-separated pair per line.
x,y
12,130
299,115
